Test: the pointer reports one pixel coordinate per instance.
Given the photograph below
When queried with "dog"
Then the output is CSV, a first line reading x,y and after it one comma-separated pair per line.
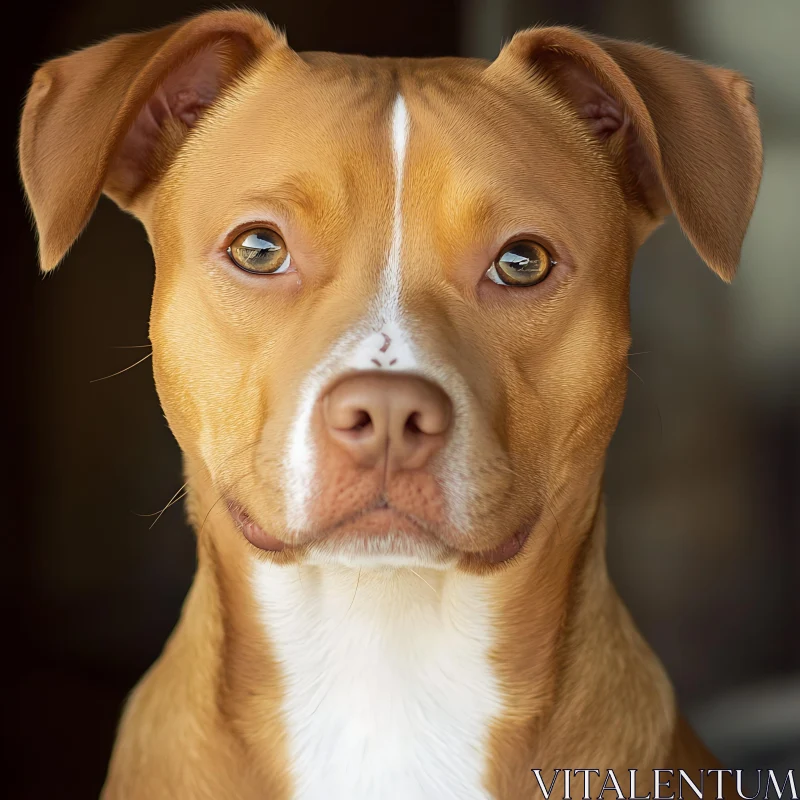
x,y
390,330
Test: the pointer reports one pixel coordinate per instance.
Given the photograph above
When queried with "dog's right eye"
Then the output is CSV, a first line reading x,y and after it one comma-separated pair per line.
x,y
260,251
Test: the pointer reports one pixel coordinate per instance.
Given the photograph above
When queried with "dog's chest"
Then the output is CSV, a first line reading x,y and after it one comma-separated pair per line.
x,y
389,692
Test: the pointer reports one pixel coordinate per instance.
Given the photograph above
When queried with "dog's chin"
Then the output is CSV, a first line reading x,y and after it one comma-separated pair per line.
x,y
378,537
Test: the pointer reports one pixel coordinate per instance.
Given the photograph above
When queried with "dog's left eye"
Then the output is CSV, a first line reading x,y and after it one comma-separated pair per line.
x,y
522,263
261,251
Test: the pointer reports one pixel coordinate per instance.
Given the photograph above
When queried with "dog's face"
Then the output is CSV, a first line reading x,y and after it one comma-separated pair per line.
x,y
392,200
341,240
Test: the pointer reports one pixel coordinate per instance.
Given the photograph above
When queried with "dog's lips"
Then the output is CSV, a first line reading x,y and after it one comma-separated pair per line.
x,y
508,549
377,522
252,531
371,523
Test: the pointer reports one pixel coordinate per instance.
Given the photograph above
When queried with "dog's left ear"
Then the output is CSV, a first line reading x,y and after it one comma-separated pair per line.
x,y
683,136
110,118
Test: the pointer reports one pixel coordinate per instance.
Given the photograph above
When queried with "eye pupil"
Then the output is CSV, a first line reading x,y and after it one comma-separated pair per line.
x,y
261,251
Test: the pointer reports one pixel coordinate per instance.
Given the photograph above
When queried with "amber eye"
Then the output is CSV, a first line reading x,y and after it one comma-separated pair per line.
x,y
260,250
521,264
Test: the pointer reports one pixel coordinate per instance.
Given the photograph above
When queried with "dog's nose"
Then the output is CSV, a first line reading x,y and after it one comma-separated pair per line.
x,y
374,417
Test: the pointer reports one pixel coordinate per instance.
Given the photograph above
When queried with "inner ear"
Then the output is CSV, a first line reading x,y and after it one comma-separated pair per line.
x,y
611,124
166,117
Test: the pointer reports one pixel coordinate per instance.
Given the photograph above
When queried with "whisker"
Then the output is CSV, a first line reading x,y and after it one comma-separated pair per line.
x,y
655,402
114,374
179,495
129,346
555,518
355,591
640,353
414,572
205,519
174,499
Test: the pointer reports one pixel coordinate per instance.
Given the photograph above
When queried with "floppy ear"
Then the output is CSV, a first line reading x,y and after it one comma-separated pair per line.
x,y
682,135
111,117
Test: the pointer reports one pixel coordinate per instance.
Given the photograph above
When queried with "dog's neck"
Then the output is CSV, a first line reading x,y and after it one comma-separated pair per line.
x,y
504,667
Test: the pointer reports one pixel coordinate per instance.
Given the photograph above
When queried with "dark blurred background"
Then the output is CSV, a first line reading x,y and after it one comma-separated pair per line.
x,y
704,474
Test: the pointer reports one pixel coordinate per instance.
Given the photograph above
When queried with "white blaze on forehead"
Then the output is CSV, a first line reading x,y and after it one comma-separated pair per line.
x,y
389,344
390,290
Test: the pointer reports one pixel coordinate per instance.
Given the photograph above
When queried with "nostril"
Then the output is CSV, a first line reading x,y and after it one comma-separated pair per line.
x,y
429,419
343,417
355,423
361,421
412,425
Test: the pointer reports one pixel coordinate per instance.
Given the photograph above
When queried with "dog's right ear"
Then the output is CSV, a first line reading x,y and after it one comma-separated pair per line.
x,y
111,117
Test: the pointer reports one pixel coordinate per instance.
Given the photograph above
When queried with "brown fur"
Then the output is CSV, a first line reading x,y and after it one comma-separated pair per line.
x,y
495,148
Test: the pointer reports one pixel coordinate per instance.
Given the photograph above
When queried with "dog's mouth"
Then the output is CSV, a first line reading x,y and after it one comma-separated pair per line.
x,y
252,531
379,532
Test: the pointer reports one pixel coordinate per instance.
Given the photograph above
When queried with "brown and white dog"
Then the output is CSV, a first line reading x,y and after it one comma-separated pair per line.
x,y
390,331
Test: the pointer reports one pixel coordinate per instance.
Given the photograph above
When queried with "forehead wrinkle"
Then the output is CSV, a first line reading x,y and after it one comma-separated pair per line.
x,y
483,209
463,230
304,198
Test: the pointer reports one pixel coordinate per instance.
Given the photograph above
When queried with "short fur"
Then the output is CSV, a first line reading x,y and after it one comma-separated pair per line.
x,y
583,141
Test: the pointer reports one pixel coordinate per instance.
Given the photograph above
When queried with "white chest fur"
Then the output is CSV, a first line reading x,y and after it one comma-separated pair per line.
x,y
389,691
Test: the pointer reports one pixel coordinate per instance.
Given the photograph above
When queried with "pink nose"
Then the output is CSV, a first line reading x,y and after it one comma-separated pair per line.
x,y
399,420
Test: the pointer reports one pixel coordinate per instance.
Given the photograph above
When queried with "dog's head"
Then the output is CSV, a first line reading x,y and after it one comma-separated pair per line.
x,y
390,319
